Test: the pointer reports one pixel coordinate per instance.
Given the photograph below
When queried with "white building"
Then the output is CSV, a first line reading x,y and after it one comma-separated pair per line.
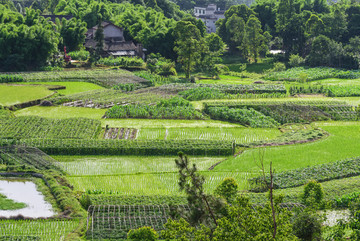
x,y
209,15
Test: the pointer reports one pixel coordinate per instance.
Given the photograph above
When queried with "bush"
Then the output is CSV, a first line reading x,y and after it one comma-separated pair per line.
x,y
278,67
307,225
11,78
79,55
227,189
296,60
143,234
122,61
313,194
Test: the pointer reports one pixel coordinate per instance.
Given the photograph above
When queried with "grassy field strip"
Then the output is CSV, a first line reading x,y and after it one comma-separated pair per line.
x,y
150,184
343,142
143,123
71,87
45,230
111,165
240,135
61,112
335,81
199,104
16,94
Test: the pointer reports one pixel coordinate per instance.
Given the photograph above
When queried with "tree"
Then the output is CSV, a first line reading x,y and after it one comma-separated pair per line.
x,y
314,26
192,183
353,48
29,41
254,38
72,33
227,189
320,52
189,45
99,38
235,27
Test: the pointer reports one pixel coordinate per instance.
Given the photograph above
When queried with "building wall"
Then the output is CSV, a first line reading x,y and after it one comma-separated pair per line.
x,y
199,11
111,31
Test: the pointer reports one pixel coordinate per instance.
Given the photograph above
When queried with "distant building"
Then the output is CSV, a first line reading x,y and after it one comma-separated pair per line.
x,y
209,15
114,42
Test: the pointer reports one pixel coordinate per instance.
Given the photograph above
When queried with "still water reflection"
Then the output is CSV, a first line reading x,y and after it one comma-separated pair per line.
x,y
25,192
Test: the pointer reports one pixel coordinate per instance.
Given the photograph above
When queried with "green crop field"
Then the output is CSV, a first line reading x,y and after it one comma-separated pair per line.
x,y
342,143
71,87
61,112
112,165
16,94
111,144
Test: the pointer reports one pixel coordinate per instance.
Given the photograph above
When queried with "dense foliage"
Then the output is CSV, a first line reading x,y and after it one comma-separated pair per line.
x,y
311,74
249,117
133,147
295,111
174,108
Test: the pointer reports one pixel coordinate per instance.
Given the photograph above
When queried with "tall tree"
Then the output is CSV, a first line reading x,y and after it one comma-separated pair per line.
x,y
235,27
72,33
254,37
189,45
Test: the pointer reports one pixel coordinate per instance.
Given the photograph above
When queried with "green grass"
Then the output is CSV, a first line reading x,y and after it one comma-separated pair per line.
x,y
149,184
112,165
355,101
16,94
240,135
61,112
334,81
342,143
200,104
8,204
227,79
49,230
71,87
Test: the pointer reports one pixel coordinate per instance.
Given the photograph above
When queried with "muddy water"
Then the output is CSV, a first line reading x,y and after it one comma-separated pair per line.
x,y
25,191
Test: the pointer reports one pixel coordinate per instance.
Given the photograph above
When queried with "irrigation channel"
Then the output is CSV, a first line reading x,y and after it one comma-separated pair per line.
x,y
24,191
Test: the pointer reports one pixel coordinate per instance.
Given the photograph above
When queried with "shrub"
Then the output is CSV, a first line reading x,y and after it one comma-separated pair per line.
x,y
11,78
227,189
143,234
296,60
307,225
79,55
278,67
313,194
122,61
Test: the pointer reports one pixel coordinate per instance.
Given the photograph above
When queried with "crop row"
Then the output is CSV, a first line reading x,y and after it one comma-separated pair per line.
x,y
299,73
38,127
331,91
158,79
130,147
4,78
105,78
320,173
153,112
112,96
136,200
230,89
113,222
207,93
249,117
293,112
43,230
174,108
29,156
